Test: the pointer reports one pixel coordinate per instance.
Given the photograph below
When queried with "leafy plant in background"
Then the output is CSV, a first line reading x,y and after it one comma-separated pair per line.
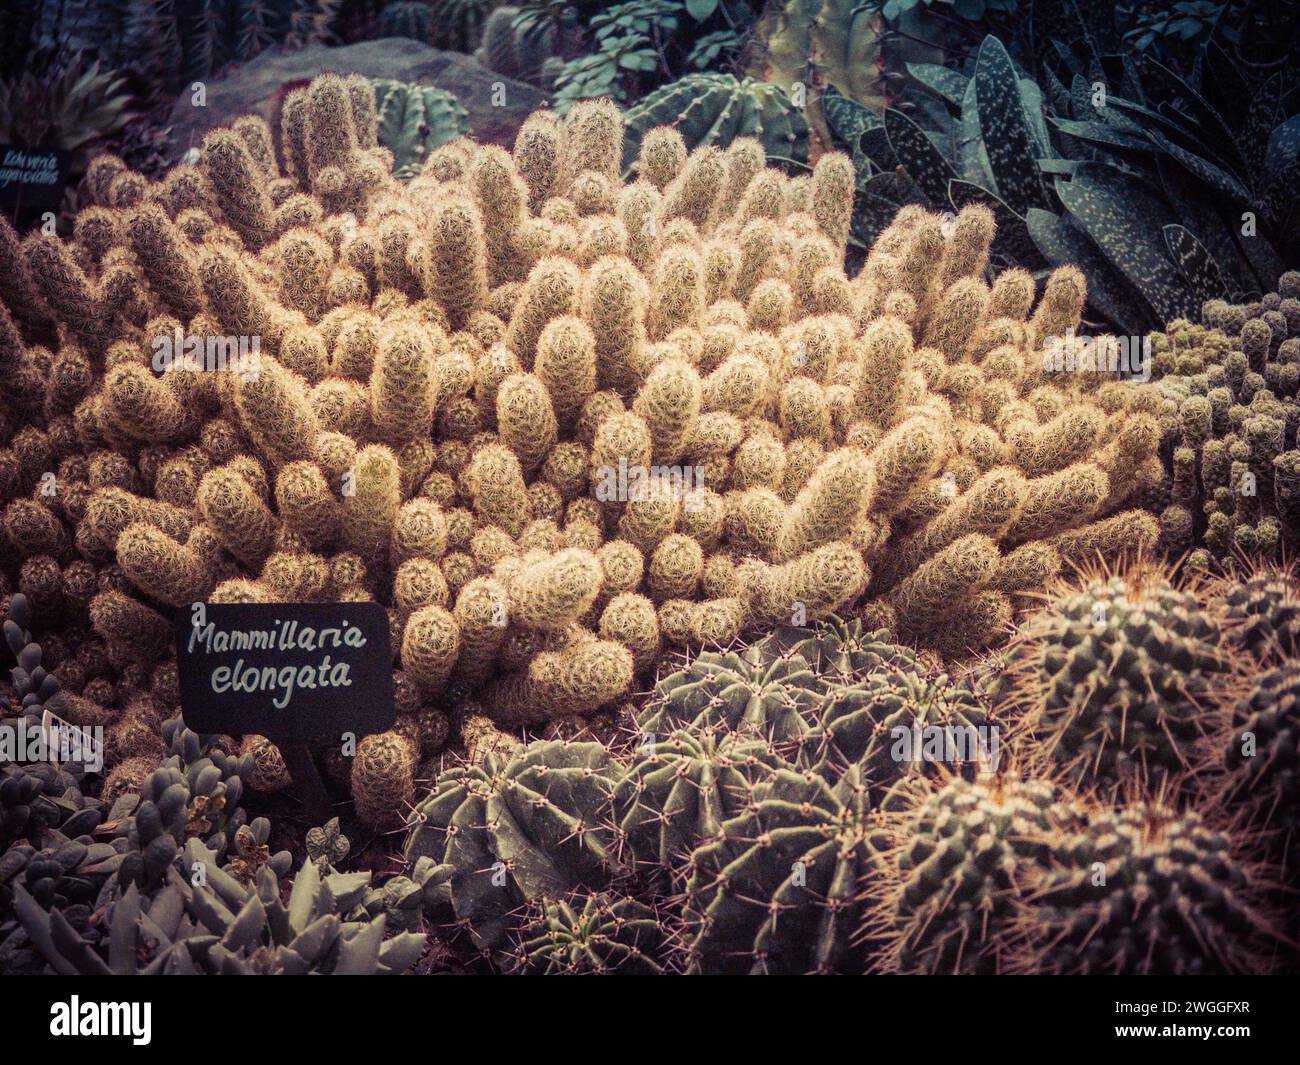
x,y
1190,21
643,43
68,104
1128,171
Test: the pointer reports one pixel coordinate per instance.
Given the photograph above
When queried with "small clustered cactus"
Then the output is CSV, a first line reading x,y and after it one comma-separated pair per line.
x,y
555,422
1229,424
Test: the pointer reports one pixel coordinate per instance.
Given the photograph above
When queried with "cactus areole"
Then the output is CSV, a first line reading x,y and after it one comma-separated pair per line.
x,y
290,672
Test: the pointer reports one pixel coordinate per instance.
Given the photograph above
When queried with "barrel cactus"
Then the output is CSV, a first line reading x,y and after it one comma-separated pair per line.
x,y
599,934
679,790
729,691
715,109
1147,890
512,832
414,120
778,891
957,853
1115,675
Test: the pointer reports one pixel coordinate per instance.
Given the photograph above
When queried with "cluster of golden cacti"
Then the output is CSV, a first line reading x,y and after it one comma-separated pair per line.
x,y
451,372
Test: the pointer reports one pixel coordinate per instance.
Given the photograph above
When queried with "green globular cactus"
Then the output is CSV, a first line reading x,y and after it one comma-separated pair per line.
x,y
414,120
600,933
897,721
837,647
950,895
730,691
406,18
716,109
679,790
1145,890
1262,611
519,830
1260,768
778,891
1114,679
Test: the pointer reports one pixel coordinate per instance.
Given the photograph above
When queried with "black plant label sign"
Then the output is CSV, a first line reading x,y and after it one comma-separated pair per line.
x,y
292,672
31,180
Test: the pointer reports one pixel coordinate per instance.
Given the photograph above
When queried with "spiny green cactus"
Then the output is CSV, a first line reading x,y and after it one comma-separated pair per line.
x,y
1114,677
950,889
414,120
519,830
895,721
600,933
1262,611
778,891
1147,890
837,647
680,789
730,691
715,109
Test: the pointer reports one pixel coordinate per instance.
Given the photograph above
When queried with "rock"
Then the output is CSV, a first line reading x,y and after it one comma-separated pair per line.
x,y
259,87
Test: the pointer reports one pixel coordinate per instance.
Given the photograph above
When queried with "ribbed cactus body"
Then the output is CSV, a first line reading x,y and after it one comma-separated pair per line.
x,y
718,108
415,119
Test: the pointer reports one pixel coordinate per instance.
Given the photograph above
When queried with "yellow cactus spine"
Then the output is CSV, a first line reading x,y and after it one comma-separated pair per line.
x,y
551,291
539,147
833,185
1060,501
677,291
663,153
482,615
1061,307
383,780
160,567
502,197
631,621
594,140
371,497
693,194
430,646
909,455
238,186
495,481
307,503
566,365
967,251
237,515
554,592
957,317
614,305
458,277
402,385
275,412
669,402
829,505
526,419
960,570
